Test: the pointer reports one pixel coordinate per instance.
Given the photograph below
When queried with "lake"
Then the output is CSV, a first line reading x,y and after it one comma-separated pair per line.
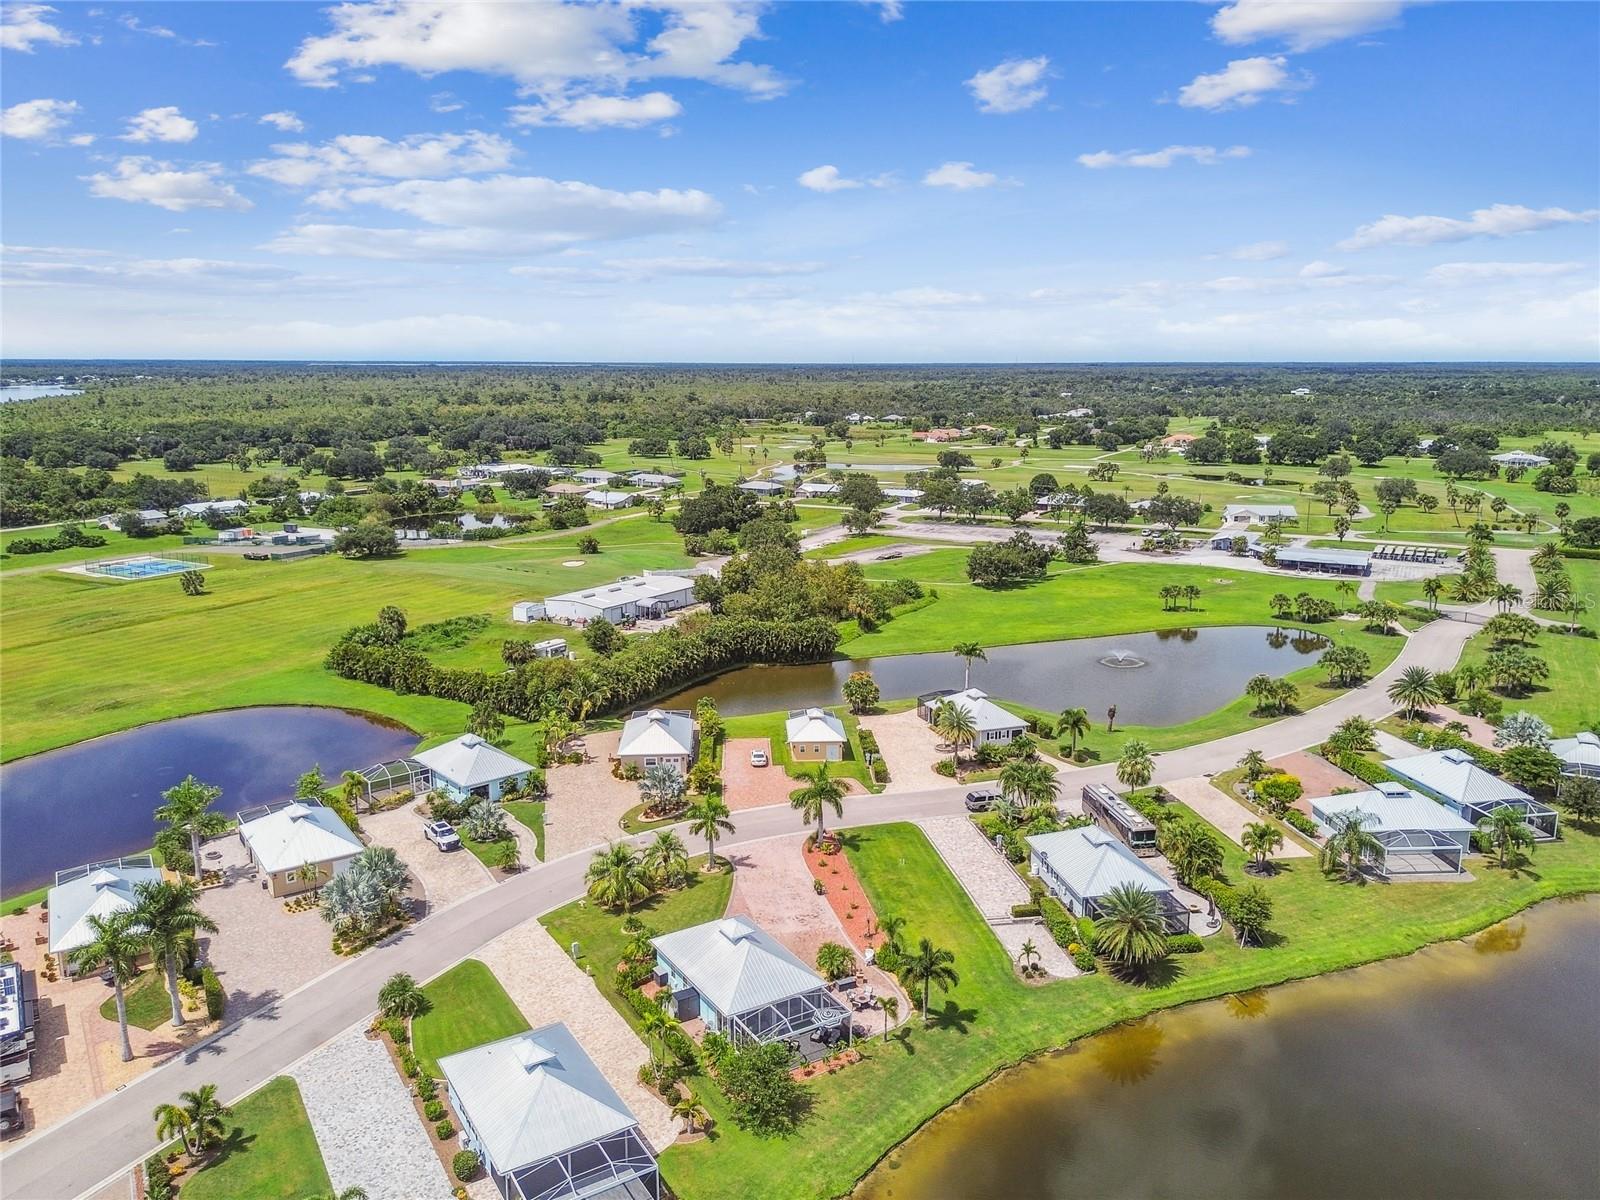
x,y
93,800
35,391
1469,1070
1186,673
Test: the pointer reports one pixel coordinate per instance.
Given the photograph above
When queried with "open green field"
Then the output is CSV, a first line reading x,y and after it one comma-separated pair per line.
x,y
270,1152
469,1008
991,1020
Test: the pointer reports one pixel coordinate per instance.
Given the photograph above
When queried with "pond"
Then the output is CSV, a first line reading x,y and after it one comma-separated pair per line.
x,y
1162,678
93,800
34,391
1467,1070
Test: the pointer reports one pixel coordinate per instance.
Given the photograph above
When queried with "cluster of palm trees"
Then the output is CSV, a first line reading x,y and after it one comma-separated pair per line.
x,y
1555,592
1027,790
621,875
162,923
1353,735
954,724
1381,615
1174,593
1271,695
1303,607
1347,666
363,897
199,1119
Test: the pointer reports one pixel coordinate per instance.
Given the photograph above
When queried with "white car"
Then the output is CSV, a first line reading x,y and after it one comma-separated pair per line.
x,y
758,758
441,835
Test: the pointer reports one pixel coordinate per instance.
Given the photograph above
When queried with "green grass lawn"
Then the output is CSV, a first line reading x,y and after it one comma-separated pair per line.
x,y
270,1153
531,814
469,1008
771,725
148,1003
991,1020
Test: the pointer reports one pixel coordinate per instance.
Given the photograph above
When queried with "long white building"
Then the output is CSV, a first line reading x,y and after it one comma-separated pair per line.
x,y
652,594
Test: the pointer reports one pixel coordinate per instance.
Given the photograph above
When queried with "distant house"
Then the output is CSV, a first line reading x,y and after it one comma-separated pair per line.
x,y
818,487
599,498
200,508
469,768
653,594
1225,539
299,845
525,612
1081,867
1579,755
814,735
1058,501
1259,514
1453,777
496,470
937,435
658,737
546,1123
97,889
1520,458
654,479
1419,836
743,983
761,487
594,476
992,723
146,516
902,493
1301,391
561,490
1179,441
891,418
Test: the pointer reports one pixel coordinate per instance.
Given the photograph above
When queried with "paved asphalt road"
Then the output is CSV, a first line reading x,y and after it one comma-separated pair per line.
x,y
99,1142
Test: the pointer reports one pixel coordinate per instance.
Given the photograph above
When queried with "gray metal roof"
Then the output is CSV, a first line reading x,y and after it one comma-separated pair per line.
x,y
1393,808
108,889
468,762
1311,554
736,965
1455,776
534,1095
1093,862
1580,753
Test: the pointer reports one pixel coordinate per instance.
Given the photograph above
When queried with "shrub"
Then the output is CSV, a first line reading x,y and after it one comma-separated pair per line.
x,y
818,886
1363,769
465,1165
1024,910
427,1088
1086,933
946,767
1058,922
157,1178
1084,960
216,996
1016,848
434,1110
444,1131
880,771
1296,819
1184,943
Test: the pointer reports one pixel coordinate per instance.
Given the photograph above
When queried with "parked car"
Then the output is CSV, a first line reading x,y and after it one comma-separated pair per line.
x,y
889,554
758,758
10,1111
442,835
980,801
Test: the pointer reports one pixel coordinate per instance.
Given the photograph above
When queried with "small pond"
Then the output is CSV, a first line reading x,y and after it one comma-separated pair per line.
x,y
35,391
1162,678
1467,1071
93,800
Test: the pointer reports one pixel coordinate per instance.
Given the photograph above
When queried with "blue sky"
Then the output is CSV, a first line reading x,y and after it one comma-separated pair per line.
x,y
1262,179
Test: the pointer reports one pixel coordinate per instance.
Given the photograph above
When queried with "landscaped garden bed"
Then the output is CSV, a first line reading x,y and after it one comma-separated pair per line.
x,y
830,867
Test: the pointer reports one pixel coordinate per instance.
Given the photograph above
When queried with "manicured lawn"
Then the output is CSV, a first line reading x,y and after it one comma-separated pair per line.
x,y
147,999
469,1008
1567,699
990,1020
270,1152
531,814
771,726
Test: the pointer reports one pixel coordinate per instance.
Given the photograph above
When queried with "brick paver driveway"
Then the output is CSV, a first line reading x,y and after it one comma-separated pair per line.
x,y
443,878
586,800
910,748
744,786
1230,816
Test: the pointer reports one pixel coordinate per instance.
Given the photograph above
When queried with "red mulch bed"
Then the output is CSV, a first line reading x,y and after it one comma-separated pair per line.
x,y
826,1066
844,890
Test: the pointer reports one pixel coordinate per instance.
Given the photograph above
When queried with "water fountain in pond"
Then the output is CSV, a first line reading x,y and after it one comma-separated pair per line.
x,y
1124,660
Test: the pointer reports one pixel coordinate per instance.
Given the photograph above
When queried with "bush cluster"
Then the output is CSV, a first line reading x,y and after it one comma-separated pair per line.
x,y
157,1178
216,995
464,1165
69,536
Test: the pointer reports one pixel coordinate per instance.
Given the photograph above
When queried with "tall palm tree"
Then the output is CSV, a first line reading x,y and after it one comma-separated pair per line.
x,y
666,857
891,927
968,652
954,723
401,997
169,913
1506,831
171,1121
1260,839
820,794
206,1115
1136,766
116,943
928,966
1507,596
1075,724
891,1010
708,816
188,810
617,879
1130,929
1350,842
1431,587
1028,784
1254,764
1414,690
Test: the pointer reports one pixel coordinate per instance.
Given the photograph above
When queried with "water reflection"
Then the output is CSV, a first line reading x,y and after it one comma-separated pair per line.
x,y
1247,1006
1505,938
1129,1053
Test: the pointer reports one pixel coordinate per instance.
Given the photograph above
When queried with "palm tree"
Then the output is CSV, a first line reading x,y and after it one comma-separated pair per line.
x,y
1191,849
401,997
926,966
1027,956
1350,842
1505,830
116,942
1260,840
188,810
954,723
666,858
820,794
688,1109
708,816
657,1023
1254,764
891,927
1414,690
891,1010
1075,724
1353,736
834,961
617,879
1136,766
352,788
1507,596
1028,784
967,652
171,1121
1130,929
170,917
206,1115
1431,587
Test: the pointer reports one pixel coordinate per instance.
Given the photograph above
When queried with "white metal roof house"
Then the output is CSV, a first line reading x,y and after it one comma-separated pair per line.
x,y
1258,514
1223,539
1453,777
469,767
96,889
287,840
658,737
814,735
1579,755
600,498
902,493
1419,836
596,475
200,508
743,983
991,722
525,612
1520,458
818,487
653,594
654,479
546,1122
762,487
147,516
1082,866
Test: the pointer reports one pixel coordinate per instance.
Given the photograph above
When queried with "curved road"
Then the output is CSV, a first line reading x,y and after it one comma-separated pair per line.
x,y
96,1144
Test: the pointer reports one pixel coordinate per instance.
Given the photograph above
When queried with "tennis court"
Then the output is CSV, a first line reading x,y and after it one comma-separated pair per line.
x,y
144,567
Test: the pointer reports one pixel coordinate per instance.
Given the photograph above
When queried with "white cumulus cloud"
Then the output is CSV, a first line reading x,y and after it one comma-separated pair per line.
x,y
826,178
1014,85
1302,24
959,175
599,112
365,158
1205,155
147,181
1243,82
284,122
1456,274
1498,220
21,25
165,124
36,120
1260,251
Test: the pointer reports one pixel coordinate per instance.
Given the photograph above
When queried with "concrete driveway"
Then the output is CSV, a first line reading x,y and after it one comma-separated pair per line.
x,y
1229,815
744,786
910,747
442,878
586,800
